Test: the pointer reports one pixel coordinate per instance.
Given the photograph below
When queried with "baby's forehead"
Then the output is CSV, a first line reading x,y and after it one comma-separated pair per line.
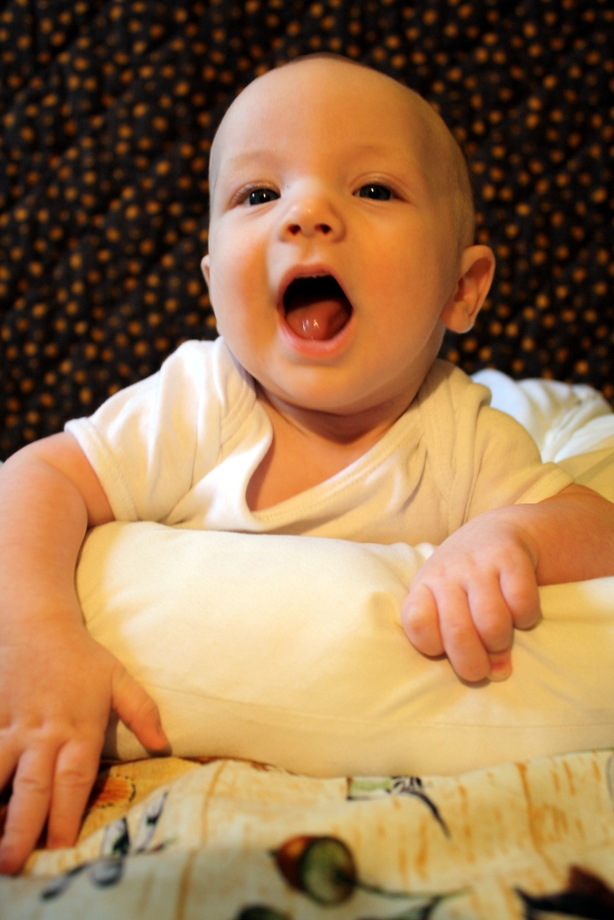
x,y
295,98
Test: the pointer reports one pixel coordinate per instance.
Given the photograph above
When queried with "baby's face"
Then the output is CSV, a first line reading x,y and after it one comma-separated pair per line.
x,y
334,251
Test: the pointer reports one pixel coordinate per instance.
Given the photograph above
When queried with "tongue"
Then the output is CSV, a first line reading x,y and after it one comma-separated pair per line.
x,y
316,308
320,320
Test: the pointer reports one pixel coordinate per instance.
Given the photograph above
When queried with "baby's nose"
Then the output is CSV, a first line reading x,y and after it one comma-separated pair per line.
x,y
310,215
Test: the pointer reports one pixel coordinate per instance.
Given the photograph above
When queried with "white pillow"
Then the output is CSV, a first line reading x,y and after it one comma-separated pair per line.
x,y
289,650
572,425
564,419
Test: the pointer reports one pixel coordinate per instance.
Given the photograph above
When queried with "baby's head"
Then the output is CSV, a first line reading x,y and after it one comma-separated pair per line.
x,y
341,235
443,157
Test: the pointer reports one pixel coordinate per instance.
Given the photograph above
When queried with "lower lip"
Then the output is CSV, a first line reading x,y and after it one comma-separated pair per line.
x,y
318,348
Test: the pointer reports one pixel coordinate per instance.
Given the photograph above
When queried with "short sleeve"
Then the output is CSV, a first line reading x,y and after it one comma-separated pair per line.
x,y
510,469
149,442
480,458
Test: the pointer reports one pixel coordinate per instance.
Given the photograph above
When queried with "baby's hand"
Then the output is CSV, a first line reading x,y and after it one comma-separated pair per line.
x,y
469,596
56,692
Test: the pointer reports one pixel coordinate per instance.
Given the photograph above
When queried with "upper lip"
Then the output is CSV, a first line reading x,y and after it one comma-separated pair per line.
x,y
307,271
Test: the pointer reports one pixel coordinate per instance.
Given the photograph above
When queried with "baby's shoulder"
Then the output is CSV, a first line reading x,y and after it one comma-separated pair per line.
x,y
448,385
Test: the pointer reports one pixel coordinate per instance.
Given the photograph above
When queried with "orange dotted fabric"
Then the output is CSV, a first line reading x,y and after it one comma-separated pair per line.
x,y
107,111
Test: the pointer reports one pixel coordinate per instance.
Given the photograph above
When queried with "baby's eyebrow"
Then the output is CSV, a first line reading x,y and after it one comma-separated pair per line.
x,y
245,158
236,162
408,162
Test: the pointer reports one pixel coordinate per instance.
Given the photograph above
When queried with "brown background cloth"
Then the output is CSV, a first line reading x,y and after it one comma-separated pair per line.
x,y
107,110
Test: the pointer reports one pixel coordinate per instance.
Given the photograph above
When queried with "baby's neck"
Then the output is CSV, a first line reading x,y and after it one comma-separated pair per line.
x,y
343,429
309,448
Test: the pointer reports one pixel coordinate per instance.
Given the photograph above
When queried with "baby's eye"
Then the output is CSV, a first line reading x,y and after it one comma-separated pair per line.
x,y
261,196
375,192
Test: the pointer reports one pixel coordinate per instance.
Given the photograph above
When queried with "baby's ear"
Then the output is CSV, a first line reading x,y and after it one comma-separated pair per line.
x,y
477,267
204,267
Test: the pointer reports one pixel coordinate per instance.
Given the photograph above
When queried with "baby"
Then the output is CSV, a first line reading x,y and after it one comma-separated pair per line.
x,y
341,247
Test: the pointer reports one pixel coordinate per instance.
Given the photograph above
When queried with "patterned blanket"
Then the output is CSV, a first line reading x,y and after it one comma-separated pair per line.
x,y
169,839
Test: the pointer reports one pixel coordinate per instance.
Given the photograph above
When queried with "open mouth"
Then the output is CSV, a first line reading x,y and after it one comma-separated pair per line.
x,y
316,307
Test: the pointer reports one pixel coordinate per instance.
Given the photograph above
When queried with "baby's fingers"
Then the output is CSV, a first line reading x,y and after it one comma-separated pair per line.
x,y
28,807
494,624
497,610
137,710
437,620
461,638
522,596
420,620
75,772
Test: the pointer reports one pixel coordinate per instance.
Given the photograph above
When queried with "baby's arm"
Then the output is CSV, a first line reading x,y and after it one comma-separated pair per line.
x,y
57,685
481,583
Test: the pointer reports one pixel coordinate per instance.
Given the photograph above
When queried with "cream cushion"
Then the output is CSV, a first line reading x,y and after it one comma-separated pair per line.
x,y
289,650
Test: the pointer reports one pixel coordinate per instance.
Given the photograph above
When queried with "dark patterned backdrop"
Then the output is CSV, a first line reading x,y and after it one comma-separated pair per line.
x,y
107,111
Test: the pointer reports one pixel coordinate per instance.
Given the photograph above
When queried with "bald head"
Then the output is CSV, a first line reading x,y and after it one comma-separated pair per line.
x,y
322,79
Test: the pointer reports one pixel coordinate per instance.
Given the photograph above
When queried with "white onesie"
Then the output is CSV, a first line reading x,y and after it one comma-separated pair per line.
x,y
180,448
